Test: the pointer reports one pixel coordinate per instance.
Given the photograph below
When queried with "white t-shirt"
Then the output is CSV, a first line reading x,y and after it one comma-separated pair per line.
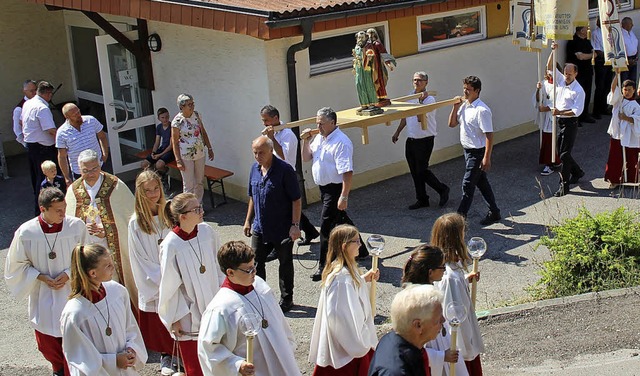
x,y
475,120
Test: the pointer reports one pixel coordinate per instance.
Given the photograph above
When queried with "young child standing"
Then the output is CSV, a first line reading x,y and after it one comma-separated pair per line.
x,y
222,345
162,152
100,335
448,234
52,179
424,267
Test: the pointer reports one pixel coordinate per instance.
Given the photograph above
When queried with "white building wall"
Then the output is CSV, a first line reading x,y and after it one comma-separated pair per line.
x,y
34,46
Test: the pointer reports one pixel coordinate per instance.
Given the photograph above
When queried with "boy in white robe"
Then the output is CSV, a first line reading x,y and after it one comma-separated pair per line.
x,y
222,343
37,267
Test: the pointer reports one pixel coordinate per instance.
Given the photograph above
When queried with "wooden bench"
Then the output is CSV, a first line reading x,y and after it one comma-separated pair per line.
x,y
215,177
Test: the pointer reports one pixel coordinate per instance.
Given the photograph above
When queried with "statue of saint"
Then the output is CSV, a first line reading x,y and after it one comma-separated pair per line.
x,y
380,60
364,74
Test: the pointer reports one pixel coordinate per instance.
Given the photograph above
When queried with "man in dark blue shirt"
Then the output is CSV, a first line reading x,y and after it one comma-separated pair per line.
x,y
273,214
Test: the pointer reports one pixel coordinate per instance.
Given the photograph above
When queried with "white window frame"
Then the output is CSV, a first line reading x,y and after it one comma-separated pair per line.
x,y
454,41
346,63
593,13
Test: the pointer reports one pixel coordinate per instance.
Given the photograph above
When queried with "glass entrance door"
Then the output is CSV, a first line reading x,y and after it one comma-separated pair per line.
x,y
130,118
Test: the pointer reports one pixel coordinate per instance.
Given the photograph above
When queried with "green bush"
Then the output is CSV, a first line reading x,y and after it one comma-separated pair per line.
x,y
591,253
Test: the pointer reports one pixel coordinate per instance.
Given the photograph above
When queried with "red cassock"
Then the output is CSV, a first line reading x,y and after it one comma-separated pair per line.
x,y
613,171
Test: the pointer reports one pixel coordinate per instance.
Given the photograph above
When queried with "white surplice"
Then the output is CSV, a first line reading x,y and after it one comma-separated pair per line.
x,y
28,257
144,255
435,351
87,348
343,329
455,288
222,344
627,132
184,291
544,120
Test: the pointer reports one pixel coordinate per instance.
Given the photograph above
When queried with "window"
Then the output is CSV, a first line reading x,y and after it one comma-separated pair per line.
x,y
451,28
85,59
329,52
593,6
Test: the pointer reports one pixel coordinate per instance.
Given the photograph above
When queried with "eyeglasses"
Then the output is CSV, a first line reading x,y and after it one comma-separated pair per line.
x,y
190,104
441,267
357,241
249,271
197,210
90,170
418,79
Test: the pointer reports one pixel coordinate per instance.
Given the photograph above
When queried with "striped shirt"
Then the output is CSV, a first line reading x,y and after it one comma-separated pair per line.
x,y
68,137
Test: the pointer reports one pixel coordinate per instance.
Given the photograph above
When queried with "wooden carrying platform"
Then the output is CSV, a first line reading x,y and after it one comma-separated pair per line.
x,y
215,177
399,109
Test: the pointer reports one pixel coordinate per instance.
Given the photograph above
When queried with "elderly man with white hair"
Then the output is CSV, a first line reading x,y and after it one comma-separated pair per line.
x,y
189,139
416,316
105,203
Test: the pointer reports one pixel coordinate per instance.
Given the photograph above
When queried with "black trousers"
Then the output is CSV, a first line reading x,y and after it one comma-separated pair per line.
x,y
39,153
331,217
602,79
567,132
285,259
417,151
307,227
475,177
585,78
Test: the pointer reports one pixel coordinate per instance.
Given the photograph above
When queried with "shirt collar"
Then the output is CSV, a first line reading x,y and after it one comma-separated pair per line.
x,y
48,228
184,235
331,135
242,290
97,296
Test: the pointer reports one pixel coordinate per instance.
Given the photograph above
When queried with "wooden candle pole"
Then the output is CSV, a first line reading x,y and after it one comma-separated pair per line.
x,y
474,284
372,292
250,349
454,344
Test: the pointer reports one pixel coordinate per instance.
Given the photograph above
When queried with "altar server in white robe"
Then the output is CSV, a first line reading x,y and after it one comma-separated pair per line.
x,y
222,345
344,336
424,267
148,227
37,267
191,276
448,235
100,335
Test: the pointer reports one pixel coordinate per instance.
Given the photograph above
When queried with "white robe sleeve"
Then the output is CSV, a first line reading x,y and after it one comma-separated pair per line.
x,y
213,354
146,272
19,273
436,361
172,304
134,337
346,319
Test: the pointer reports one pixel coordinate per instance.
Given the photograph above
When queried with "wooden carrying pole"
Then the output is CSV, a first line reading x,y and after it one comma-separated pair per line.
x,y
474,284
372,292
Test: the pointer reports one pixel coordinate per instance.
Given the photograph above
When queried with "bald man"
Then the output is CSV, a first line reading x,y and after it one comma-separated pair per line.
x,y
273,214
79,133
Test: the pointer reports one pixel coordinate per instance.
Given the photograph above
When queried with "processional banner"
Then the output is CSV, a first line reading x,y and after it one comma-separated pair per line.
x,y
559,18
525,33
615,52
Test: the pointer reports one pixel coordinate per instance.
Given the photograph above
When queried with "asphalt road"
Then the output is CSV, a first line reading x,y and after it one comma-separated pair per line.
x,y
507,268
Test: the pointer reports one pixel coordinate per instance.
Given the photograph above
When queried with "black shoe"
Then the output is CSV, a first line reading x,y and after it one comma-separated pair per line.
x,y
273,255
563,190
490,218
418,205
315,277
307,240
286,305
444,197
575,178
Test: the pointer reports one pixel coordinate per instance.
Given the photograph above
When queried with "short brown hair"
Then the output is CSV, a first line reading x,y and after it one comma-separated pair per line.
x,y
48,196
233,254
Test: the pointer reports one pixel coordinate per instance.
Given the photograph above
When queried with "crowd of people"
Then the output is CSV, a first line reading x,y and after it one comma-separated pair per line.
x,y
112,274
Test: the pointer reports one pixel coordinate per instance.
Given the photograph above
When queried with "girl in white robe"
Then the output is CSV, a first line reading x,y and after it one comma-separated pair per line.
x,y
100,335
148,226
542,103
448,235
222,345
190,275
624,129
426,266
37,267
344,336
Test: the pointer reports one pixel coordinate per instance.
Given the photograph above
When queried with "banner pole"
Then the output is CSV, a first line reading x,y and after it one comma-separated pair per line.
x,y
554,135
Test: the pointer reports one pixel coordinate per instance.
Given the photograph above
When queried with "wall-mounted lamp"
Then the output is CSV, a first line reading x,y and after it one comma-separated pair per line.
x,y
154,42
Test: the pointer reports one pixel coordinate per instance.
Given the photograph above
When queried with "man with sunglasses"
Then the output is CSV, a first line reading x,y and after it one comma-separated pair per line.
x,y
273,214
105,204
419,146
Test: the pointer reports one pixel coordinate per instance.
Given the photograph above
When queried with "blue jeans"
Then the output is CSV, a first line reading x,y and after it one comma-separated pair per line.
x,y
474,176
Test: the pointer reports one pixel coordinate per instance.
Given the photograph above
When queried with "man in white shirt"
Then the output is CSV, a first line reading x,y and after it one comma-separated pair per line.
x,y
332,168
603,75
285,147
569,105
39,133
631,46
29,90
419,146
476,137
79,133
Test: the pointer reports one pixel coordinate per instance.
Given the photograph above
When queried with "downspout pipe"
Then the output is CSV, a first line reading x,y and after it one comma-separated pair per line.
x,y
307,26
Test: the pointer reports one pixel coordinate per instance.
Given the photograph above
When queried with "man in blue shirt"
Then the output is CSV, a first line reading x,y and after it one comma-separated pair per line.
x,y
273,214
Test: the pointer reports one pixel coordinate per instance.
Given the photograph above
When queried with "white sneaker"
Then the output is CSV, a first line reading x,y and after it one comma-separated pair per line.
x,y
166,366
546,171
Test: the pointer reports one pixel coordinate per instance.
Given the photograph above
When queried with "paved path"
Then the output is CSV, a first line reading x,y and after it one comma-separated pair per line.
x,y
508,267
